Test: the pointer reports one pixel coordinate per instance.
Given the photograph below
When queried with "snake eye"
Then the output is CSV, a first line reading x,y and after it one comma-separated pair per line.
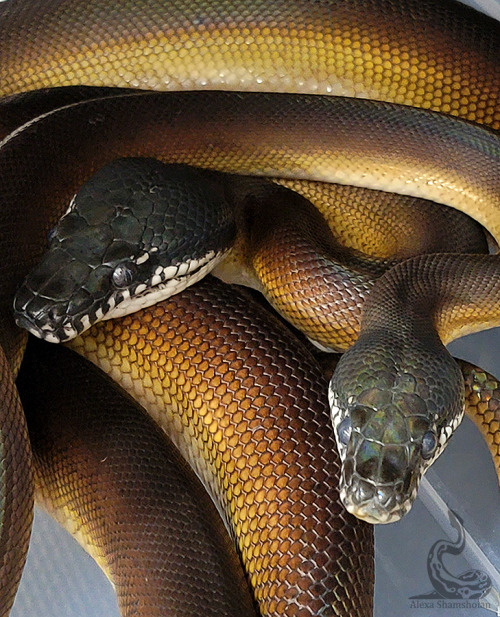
x,y
344,431
123,275
429,444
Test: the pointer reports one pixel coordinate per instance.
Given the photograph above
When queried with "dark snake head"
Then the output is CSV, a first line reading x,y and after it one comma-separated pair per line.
x,y
137,232
394,408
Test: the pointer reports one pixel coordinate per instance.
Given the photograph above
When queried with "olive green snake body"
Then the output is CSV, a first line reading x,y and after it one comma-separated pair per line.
x,y
450,64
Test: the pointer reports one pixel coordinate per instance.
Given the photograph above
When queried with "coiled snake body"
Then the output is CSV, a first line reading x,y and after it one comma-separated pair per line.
x,y
417,407
450,63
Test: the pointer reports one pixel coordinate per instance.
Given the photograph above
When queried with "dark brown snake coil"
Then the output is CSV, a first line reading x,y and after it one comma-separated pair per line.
x,y
355,47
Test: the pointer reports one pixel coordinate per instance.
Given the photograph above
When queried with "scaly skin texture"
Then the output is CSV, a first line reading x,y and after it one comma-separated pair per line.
x,y
18,109
447,291
246,406
482,396
50,181
377,223
436,54
311,136
303,267
450,294
16,488
109,476
144,218
395,399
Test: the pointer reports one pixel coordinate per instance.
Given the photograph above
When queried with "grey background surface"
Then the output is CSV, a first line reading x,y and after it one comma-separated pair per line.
x,y
61,580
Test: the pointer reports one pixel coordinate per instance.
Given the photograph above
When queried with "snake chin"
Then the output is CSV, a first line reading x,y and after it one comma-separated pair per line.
x,y
373,511
373,502
64,332
164,284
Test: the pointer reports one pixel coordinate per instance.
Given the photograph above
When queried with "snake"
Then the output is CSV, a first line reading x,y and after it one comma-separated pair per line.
x,y
140,268
94,433
352,49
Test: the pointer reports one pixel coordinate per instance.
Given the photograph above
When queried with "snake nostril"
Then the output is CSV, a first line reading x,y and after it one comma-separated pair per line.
x,y
52,314
384,494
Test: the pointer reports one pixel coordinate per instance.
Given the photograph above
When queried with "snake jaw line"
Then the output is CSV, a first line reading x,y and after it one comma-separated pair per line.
x,y
373,516
124,245
162,286
391,412
124,301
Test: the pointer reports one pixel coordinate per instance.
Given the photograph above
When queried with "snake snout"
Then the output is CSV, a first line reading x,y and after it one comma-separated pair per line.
x,y
377,480
48,324
54,301
375,504
382,458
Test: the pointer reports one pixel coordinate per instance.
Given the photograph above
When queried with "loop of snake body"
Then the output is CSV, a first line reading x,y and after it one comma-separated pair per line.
x,y
86,439
449,64
437,55
258,437
51,133
68,292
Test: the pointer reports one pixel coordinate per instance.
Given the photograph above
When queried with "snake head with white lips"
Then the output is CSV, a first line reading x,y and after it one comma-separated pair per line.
x,y
391,420
137,232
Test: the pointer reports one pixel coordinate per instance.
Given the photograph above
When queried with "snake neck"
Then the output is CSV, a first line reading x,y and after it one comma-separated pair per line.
x,y
437,295
314,282
290,248
403,407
